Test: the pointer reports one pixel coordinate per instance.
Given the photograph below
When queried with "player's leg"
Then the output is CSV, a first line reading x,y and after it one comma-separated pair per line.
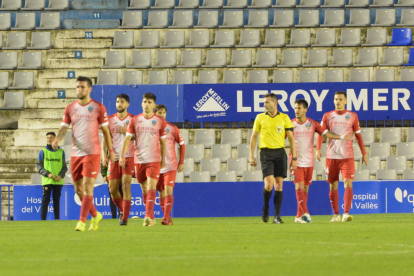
x,y
169,181
126,203
307,182
306,191
114,177
297,177
47,189
348,171
332,177
280,172
161,191
149,219
278,198
144,189
57,190
268,179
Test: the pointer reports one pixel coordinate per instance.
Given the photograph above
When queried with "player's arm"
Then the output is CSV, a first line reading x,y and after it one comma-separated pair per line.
x,y
125,145
61,134
104,153
324,132
163,149
180,141
319,140
252,148
108,142
291,139
360,141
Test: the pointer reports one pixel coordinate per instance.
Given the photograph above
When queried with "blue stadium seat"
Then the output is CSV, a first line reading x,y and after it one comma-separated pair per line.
x,y
401,37
410,58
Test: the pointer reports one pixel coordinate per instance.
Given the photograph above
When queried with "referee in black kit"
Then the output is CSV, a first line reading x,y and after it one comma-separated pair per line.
x,y
273,127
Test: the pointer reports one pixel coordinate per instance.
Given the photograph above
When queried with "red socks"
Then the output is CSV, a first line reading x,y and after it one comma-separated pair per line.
x,y
348,199
149,207
169,201
118,203
162,200
302,203
144,197
86,207
126,206
334,198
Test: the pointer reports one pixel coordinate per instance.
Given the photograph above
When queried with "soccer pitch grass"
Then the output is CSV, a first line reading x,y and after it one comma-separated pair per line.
x,y
370,245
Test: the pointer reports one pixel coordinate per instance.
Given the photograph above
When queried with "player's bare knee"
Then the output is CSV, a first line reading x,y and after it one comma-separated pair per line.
x,y
333,186
306,189
348,183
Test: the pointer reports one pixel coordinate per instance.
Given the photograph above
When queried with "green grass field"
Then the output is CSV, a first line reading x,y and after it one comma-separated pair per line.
x,y
369,245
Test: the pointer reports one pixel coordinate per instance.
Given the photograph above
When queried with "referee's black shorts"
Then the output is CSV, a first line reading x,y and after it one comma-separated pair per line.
x,y
274,162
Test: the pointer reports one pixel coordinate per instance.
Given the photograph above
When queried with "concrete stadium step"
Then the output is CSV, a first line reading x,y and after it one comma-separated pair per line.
x,y
18,168
42,113
61,83
22,152
55,74
5,176
73,63
6,138
49,94
85,43
95,53
39,123
91,23
17,181
8,161
99,4
37,139
80,34
48,103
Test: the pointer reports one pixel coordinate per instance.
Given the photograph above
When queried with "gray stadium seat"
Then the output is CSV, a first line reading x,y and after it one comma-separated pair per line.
x,y
258,4
406,75
319,166
188,166
231,136
334,18
386,175
107,78
233,76
406,149
367,57
183,20
40,41
275,38
13,100
190,59
283,76
410,134
398,163
132,78
243,151
384,75
333,4
185,135
222,151
393,57
224,39
164,4
341,58
232,19
182,77
216,58
10,5
325,38
308,18
309,4
291,58
359,75
23,80
148,39
207,137
384,18
252,176
157,20
357,4
374,164
266,58
283,19
15,41
140,59
285,4
376,37
199,39
4,80
207,76
115,59
5,22
235,4
158,77
257,76
258,19
359,18
311,75
174,39
8,60
357,152
187,4
382,150
195,151
179,177
300,38
49,21
212,165
36,178
226,177
350,38
391,135
131,20
361,175
139,5
368,135
200,176
333,75
407,17
241,58
382,3
31,61
59,5
408,174
239,165
25,21
123,39
212,4
404,3
249,38
207,19
33,5
317,58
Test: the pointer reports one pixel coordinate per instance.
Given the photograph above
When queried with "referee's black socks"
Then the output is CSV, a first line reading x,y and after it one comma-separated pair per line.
x,y
277,200
266,197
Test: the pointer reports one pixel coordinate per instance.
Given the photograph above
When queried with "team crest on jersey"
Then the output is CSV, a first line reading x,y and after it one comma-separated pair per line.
x,y
127,122
308,126
154,122
279,129
167,130
90,108
347,117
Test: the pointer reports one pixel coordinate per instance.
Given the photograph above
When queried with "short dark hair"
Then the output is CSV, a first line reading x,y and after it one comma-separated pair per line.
x,y
159,107
88,80
340,93
303,102
271,95
51,133
149,96
123,96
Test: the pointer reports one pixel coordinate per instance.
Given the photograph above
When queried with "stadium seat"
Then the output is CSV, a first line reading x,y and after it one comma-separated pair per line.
x,y
107,78
194,151
367,57
382,150
4,80
224,39
334,18
231,136
240,58
410,58
182,20
139,4
235,4
368,135
374,164
157,20
190,59
212,165
319,166
333,75
243,151
232,19
131,20
252,176
148,39
5,22
407,17
199,39
13,100
182,77
258,19
284,4
406,149
390,135
384,75
25,21
357,4
174,39
259,4
200,176
300,38
239,165
207,19
361,175
404,3
163,4
265,58
401,37
115,59
179,177
325,38
23,80
257,76
291,58
233,76
359,18
410,132
187,4
123,39
15,41
207,76
359,75
158,77
33,5
216,58
36,178
408,174
376,37
212,4
311,75
222,151
249,38
384,18
185,135
341,58
226,177
40,41
140,59
207,137
398,163
381,3
283,76
49,21
132,78
283,18
31,61
308,18
61,5
309,4
317,58
333,4
10,5
8,60
350,38
274,38
357,152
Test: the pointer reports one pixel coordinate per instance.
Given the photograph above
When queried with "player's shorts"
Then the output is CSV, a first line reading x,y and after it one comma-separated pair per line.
x,y
302,175
334,166
85,166
274,162
166,179
115,171
147,170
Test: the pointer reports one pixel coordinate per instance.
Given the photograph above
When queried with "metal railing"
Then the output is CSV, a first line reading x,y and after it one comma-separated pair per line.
x,y
7,188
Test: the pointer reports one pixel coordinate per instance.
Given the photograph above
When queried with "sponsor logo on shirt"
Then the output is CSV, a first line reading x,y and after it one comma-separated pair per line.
x,y
279,129
90,108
